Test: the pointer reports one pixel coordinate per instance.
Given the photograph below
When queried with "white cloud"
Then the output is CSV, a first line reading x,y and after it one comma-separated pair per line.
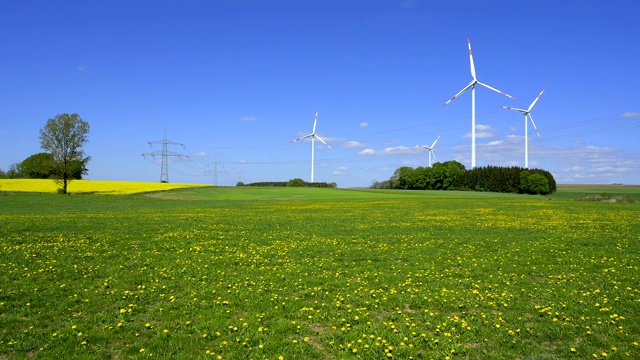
x,y
340,170
248,118
202,154
482,132
353,145
574,168
480,135
631,114
391,151
363,124
81,68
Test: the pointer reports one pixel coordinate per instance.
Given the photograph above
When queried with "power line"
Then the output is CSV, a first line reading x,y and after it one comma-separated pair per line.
x,y
165,153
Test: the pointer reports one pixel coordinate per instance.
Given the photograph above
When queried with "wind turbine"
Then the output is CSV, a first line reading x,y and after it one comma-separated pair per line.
x,y
472,86
313,137
430,148
526,123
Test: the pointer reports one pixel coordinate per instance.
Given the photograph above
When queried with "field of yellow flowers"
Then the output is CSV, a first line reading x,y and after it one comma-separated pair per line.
x,y
422,276
89,186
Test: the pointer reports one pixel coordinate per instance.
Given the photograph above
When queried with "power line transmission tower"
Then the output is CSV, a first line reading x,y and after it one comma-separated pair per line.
x,y
216,171
165,153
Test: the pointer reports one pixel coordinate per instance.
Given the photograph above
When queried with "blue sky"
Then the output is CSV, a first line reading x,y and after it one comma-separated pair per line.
x,y
236,81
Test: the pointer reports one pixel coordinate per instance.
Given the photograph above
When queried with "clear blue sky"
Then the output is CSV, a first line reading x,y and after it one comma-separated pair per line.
x,y
236,80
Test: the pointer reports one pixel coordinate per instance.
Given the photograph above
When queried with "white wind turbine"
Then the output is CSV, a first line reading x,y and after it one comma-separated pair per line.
x,y
313,137
472,86
430,148
526,123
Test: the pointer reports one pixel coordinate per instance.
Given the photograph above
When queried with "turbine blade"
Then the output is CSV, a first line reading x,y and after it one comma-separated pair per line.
x,y
536,100
473,68
515,109
319,138
434,143
496,90
534,126
434,155
315,121
459,93
300,138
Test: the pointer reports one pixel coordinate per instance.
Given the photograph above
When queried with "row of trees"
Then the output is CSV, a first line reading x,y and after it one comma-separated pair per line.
x,y
452,175
62,138
41,166
297,182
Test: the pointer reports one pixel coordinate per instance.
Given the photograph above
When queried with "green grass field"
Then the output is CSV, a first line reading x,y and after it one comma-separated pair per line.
x,y
256,273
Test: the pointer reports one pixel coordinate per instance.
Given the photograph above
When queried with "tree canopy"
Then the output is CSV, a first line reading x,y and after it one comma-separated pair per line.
x,y
63,137
452,175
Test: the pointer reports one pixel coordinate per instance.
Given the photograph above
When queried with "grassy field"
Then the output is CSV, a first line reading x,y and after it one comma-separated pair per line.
x,y
250,273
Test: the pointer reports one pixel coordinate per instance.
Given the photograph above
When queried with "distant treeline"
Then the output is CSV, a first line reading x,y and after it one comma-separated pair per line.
x,y
452,175
291,183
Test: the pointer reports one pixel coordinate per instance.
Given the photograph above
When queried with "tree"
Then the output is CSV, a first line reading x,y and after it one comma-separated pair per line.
x,y
63,137
14,172
37,166
400,177
534,183
297,182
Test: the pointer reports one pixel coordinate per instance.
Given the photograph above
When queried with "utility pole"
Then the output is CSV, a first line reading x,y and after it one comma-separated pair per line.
x,y
215,173
165,153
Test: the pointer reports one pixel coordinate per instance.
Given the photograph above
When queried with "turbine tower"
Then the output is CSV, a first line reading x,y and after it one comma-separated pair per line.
x,y
472,86
164,167
526,130
313,137
430,148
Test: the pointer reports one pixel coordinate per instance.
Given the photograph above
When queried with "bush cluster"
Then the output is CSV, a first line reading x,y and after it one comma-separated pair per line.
x,y
452,175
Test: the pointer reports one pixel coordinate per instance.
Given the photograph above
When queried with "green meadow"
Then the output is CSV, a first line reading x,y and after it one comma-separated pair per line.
x,y
295,273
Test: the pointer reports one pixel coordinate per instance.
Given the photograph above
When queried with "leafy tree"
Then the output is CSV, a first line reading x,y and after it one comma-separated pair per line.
x,y
453,169
63,137
14,172
400,177
534,183
296,183
38,166
538,184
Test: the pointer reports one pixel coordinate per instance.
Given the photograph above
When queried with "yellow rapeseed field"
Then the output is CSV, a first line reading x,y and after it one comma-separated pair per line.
x,y
89,186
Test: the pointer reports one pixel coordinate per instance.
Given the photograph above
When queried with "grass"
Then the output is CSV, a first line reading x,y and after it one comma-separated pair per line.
x,y
318,274
581,191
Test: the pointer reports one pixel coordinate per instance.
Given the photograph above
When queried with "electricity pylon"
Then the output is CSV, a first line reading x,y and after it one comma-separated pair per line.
x,y
164,171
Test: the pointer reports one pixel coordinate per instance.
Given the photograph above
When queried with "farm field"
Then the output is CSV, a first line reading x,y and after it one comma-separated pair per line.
x,y
230,273
89,186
